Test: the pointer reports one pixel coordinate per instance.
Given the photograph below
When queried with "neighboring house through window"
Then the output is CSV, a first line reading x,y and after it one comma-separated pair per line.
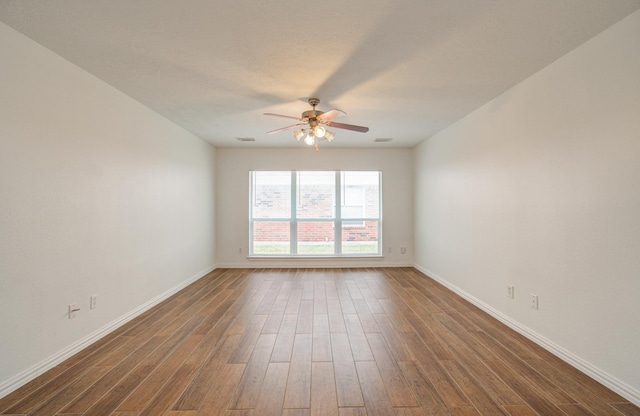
x,y
315,213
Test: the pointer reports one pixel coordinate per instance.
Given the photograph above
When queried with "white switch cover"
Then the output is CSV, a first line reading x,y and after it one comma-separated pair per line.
x,y
534,301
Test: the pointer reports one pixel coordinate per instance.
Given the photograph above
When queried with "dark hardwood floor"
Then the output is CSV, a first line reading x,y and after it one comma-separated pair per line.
x,y
349,342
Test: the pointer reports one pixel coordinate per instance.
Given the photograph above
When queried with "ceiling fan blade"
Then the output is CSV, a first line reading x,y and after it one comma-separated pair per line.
x,y
285,128
331,114
361,129
280,115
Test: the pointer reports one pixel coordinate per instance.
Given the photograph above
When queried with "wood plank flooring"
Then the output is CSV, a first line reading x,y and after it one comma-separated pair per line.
x,y
349,342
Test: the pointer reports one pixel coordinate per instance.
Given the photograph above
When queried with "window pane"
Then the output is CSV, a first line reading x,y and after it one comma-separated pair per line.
x,y
271,196
315,194
316,237
361,240
271,237
360,194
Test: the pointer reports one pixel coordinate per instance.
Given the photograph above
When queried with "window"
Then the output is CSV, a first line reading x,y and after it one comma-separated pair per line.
x,y
352,205
315,213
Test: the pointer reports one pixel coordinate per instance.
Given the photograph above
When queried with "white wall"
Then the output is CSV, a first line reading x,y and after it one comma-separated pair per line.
x,y
99,195
232,197
540,188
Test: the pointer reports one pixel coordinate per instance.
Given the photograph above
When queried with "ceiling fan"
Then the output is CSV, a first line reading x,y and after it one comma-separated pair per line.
x,y
316,123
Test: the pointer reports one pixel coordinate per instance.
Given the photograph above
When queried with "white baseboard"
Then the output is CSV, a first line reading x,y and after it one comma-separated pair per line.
x,y
29,374
623,389
259,263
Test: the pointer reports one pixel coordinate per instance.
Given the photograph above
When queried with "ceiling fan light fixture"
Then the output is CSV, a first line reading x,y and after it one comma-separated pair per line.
x,y
299,134
315,125
319,131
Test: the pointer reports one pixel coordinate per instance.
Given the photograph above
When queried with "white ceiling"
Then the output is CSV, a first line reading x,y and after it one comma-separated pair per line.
x,y
405,68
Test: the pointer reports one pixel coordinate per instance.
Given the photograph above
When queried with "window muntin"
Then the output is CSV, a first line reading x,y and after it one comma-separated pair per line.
x,y
293,213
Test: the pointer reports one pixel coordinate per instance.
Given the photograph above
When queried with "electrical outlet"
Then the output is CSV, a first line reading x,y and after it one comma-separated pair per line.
x,y
534,301
510,291
403,250
72,310
93,302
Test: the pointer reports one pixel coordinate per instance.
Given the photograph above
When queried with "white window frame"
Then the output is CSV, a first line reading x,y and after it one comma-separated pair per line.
x,y
336,220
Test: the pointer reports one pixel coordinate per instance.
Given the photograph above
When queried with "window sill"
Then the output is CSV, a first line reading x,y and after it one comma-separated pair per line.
x,y
328,257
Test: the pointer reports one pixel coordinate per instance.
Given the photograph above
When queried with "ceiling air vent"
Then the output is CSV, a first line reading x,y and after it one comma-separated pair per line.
x,y
383,140
245,139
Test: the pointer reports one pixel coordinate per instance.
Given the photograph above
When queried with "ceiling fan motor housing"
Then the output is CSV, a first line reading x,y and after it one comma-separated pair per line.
x,y
311,114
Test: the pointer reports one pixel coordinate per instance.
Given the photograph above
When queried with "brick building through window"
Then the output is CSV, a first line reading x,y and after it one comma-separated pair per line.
x,y
294,213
